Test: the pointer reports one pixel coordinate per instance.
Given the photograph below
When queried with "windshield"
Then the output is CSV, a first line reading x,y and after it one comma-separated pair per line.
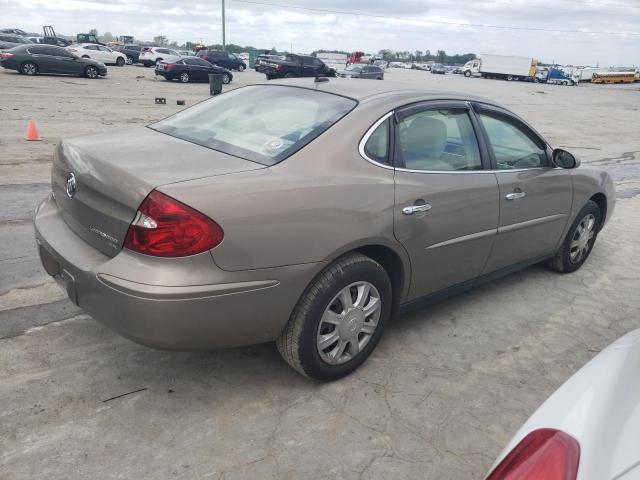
x,y
354,68
261,123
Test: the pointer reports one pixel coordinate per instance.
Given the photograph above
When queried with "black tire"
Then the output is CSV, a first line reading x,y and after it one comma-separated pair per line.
x,y
269,77
562,261
226,79
129,60
184,77
241,68
120,62
298,342
29,68
509,78
467,73
91,72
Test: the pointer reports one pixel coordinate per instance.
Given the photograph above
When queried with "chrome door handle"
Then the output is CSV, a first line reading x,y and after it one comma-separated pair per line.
x,y
416,208
514,195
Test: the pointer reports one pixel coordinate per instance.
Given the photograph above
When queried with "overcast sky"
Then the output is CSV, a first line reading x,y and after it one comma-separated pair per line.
x,y
280,25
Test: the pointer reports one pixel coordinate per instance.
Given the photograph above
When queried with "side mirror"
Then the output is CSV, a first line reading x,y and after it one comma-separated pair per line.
x,y
564,159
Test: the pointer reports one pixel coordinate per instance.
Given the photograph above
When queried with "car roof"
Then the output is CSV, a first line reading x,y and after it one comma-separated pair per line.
x,y
371,90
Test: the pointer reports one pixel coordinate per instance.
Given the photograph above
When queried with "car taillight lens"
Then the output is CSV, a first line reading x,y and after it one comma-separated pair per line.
x,y
165,227
169,66
278,67
6,56
544,454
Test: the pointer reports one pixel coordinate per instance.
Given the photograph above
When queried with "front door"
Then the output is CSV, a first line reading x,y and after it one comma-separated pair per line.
x,y
535,196
446,203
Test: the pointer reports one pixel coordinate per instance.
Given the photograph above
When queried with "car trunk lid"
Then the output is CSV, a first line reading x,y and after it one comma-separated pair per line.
x,y
99,181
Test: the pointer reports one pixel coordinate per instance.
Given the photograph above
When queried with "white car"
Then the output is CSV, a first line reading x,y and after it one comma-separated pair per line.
x,y
98,52
589,429
153,55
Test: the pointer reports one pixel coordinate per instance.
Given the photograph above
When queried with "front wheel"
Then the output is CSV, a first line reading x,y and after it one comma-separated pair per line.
x,y
339,319
129,60
184,77
226,79
120,61
91,72
241,68
578,243
467,74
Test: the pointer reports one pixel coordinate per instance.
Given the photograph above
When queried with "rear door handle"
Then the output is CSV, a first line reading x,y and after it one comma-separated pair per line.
x,y
410,210
514,195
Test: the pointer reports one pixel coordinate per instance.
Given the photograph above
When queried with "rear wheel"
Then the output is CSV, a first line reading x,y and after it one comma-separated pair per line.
x,y
241,68
509,78
578,243
226,78
29,68
184,77
129,60
91,72
339,319
120,61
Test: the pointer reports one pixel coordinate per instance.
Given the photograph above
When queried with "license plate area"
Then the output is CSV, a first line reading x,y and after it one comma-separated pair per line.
x,y
62,276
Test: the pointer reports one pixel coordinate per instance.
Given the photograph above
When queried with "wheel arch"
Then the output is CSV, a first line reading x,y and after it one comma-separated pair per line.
x,y
395,267
600,199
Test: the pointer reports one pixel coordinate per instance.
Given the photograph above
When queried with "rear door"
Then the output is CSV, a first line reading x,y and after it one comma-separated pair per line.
x,y
535,196
42,59
66,62
446,212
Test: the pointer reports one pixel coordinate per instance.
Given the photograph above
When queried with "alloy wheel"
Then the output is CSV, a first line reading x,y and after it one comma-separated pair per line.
x,y
348,323
92,72
29,69
581,241
184,77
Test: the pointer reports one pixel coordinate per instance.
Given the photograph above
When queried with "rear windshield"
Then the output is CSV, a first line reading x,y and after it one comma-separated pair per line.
x,y
261,123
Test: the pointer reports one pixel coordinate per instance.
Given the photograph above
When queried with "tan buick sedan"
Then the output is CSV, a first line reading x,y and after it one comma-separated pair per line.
x,y
308,212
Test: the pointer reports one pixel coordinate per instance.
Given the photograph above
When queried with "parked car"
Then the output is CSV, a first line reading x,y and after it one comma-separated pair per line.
x,y
10,40
362,71
457,70
33,59
298,66
586,430
152,55
191,69
222,59
186,53
253,237
14,31
438,68
263,60
98,52
35,39
132,52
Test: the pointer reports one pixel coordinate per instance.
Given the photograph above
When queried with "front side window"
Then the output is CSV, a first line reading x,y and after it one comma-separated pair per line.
x,y
438,140
514,146
261,123
377,146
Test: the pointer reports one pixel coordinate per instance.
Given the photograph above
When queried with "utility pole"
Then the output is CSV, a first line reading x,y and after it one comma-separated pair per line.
x,y
224,39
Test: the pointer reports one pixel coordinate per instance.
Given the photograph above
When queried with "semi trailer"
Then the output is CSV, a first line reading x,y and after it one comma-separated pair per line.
x,y
506,67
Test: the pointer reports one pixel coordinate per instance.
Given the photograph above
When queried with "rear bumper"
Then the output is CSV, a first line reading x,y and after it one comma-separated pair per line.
x,y
165,303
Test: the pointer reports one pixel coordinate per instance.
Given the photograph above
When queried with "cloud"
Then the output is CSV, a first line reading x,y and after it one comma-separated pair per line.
x,y
400,25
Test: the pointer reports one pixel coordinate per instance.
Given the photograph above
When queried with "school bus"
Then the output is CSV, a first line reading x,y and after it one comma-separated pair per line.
x,y
614,77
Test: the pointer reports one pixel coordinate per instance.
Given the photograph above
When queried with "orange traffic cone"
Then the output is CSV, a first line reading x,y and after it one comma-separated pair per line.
x,y
32,132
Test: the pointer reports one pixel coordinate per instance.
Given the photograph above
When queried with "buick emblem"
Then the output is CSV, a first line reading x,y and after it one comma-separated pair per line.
x,y
71,185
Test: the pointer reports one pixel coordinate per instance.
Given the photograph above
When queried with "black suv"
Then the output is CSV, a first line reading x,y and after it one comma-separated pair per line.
x,y
222,59
132,52
298,66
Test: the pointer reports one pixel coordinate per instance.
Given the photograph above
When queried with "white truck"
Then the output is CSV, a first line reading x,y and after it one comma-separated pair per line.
x,y
506,67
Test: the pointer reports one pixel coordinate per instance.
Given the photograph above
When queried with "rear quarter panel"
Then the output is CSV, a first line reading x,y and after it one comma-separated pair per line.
x,y
322,201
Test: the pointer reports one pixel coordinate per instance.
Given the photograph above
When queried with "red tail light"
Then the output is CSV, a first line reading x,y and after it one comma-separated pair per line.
x,y
544,454
278,67
165,227
169,66
205,57
6,56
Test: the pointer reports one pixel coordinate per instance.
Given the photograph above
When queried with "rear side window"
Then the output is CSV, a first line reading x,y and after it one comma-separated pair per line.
x,y
438,140
261,123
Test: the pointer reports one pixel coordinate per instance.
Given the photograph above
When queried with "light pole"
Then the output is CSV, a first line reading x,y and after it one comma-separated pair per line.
x,y
224,40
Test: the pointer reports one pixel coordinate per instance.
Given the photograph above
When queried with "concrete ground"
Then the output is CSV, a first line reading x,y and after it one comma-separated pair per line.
x,y
439,398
